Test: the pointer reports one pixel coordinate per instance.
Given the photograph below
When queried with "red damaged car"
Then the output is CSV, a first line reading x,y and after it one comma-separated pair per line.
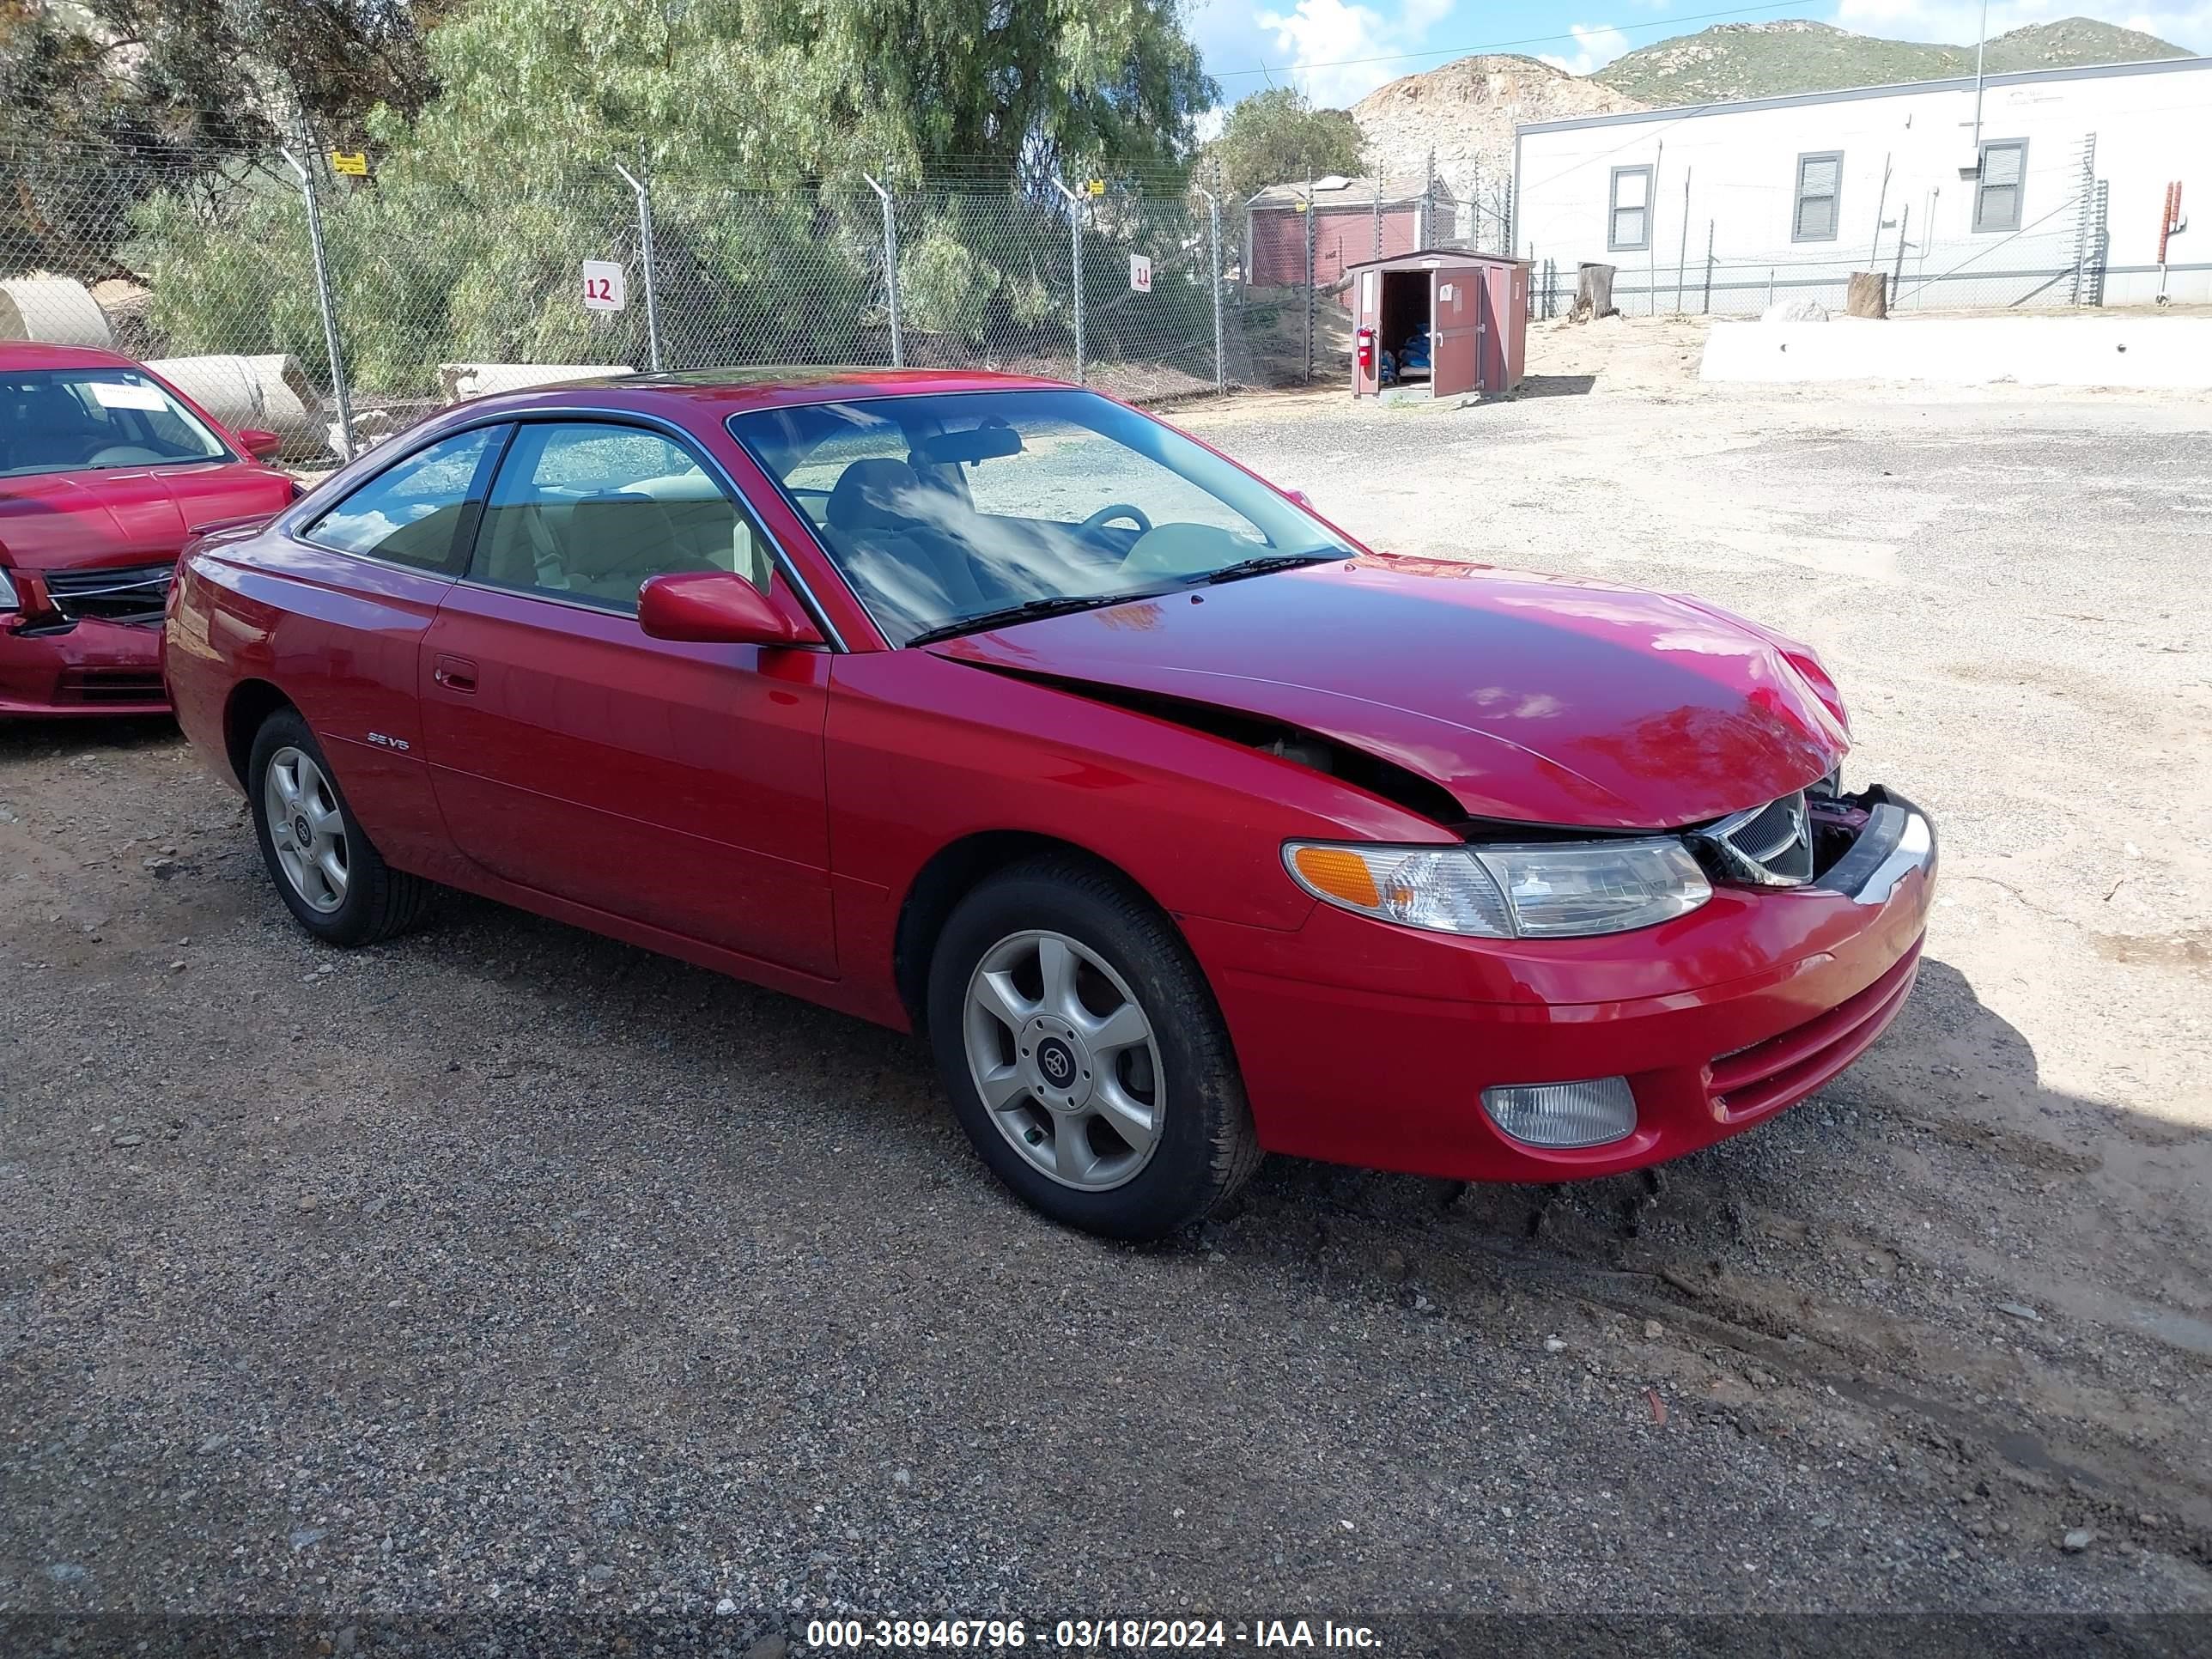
x,y
1183,825
105,469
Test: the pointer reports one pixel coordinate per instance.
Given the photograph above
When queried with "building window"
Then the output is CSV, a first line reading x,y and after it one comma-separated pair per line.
x,y
1628,225
1819,182
1997,190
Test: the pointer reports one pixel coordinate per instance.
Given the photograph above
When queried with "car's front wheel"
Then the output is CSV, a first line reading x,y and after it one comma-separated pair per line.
x,y
328,874
1083,1054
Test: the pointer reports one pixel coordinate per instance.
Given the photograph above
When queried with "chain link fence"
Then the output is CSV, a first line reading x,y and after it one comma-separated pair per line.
x,y
337,307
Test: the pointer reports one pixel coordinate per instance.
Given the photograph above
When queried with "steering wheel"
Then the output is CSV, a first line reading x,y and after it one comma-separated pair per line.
x,y
123,455
1106,515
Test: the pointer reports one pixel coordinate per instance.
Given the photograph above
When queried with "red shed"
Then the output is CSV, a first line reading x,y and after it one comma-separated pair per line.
x,y
1474,309
1349,217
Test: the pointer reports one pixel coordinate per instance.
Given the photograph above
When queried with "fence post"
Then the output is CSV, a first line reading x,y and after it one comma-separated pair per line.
x,y
2081,233
891,269
1903,225
1213,277
1075,246
1708,268
644,238
1682,249
1309,274
324,299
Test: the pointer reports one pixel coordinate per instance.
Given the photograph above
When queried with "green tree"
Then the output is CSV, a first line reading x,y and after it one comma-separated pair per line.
x,y
785,89
104,102
465,242
1277,136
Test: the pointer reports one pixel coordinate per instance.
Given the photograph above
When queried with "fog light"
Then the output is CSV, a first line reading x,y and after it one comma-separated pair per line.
x,y
1564,1114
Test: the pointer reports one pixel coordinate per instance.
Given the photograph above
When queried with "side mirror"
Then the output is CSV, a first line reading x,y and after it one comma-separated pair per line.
x,y
262,446
716,607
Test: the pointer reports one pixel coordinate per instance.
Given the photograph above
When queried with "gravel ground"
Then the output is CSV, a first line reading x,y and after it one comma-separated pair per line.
x,y
504,1271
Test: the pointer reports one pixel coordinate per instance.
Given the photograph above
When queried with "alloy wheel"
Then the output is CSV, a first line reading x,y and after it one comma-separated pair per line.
x,y
1065,1059
306,829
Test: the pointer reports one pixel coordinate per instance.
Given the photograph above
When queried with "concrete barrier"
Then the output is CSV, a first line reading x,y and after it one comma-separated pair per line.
x,y
2073,350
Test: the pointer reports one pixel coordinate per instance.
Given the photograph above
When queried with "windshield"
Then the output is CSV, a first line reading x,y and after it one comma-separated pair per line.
x,y
941,508
72,420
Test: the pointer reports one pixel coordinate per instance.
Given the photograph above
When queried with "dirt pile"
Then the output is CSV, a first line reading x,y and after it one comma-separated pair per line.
x,y
1466,111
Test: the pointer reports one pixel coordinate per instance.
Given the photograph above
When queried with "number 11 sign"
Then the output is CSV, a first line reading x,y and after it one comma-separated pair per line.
x,y
606,286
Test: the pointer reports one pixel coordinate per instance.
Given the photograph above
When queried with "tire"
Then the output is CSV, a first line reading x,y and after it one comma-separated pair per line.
x,y
1065,1134
372,901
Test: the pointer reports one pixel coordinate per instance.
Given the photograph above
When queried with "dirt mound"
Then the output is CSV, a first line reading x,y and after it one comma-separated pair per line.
x,y
1466,111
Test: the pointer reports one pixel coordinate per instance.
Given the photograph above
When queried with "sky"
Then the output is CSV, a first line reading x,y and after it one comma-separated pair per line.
x,y
1337,50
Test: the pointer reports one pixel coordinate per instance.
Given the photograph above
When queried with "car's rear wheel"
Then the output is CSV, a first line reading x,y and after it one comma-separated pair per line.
x,y
327,872
1083,1054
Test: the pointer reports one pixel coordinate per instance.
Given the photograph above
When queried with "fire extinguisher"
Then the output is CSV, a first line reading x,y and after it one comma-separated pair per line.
x,y
1366,344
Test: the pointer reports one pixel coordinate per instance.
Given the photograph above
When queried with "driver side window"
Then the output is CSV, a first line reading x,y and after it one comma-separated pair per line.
x,y
589,511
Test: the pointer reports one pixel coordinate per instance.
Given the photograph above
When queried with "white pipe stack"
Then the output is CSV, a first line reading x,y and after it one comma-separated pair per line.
x,y
462,381
272,392
57,310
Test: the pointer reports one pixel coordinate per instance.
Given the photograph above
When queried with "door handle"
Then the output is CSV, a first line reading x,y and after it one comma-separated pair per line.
x,y
455,674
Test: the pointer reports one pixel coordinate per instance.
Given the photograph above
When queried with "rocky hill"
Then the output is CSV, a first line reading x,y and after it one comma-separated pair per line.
x,y
1762,60
1466,111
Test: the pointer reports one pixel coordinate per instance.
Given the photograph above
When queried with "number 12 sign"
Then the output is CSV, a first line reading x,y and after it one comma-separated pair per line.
x,y
606,286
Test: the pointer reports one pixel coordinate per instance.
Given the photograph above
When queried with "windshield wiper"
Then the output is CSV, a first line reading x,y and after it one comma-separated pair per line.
x,y
1027,610
1261,564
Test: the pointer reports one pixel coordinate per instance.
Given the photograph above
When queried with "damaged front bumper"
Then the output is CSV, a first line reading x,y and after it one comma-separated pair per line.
x,y
1897,840
1362,1042
82,669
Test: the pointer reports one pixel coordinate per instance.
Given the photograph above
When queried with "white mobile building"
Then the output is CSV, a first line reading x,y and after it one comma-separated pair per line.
x,y
2059,194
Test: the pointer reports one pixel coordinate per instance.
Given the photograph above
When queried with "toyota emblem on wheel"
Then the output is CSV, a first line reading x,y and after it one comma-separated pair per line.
x,y
1054,1061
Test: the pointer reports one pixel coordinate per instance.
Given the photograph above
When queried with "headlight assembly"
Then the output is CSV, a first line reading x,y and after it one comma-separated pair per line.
x,y
1537,890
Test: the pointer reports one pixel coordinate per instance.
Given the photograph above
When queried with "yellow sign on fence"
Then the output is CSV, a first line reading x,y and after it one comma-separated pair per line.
x,y
1096,186
354,166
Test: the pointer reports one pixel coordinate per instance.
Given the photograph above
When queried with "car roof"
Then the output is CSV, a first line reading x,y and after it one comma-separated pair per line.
x,y
38,354
720,392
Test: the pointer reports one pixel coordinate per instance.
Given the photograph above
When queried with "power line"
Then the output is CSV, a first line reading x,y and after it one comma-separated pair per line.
x,y
1499,45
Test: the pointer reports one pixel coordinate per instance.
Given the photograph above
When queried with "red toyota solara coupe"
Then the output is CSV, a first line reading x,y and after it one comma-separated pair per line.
x,y
105,469
1184,826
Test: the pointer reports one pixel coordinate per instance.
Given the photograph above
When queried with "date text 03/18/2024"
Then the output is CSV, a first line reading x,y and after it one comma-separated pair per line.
x,y
1087,1635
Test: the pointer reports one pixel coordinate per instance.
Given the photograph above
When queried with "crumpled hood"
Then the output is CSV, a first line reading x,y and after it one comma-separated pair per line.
x,y
138,515
1543,699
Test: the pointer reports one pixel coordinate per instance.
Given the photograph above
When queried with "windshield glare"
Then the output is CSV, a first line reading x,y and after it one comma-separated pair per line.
x,y
942,507
72,420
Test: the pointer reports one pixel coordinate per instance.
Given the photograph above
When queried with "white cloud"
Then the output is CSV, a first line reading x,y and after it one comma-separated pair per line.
x,y
1351,48
1596,46
1326,33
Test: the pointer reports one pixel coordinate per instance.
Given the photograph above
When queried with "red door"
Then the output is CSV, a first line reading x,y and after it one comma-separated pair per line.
x,y
677,785
680,786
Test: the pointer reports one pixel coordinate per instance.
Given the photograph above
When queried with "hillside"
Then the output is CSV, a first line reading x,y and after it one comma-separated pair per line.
x,y
1760,60
1466,111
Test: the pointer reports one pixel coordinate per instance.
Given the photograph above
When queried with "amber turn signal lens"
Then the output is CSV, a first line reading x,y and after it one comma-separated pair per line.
x,y
1341,875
